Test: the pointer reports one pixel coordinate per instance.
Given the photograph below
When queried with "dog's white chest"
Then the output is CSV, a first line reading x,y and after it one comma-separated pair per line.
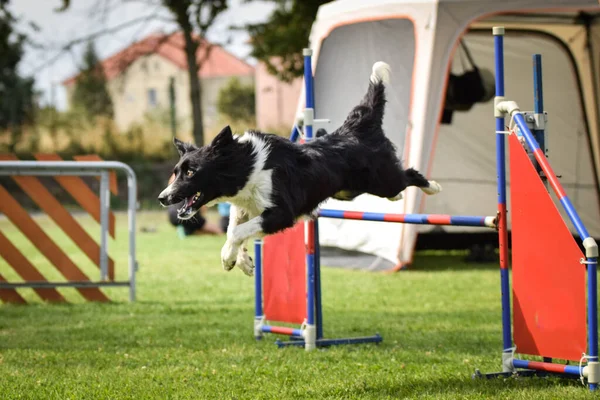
x,y
255,196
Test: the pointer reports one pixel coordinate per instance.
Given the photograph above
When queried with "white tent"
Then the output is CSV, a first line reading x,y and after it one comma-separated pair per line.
x,y
420,40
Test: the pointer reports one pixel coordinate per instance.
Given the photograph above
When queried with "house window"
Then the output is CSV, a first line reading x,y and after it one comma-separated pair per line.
x,y
152,99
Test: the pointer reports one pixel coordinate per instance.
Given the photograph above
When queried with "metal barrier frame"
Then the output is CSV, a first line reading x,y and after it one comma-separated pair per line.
x,y
99,169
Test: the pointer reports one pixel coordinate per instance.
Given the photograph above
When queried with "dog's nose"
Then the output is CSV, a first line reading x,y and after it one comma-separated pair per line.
x,y
163,198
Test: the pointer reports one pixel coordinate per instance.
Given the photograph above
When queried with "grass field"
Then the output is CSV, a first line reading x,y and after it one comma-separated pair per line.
x,y
189,335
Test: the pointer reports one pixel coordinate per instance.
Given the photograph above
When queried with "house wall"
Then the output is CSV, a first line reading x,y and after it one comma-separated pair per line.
x,y
276,101
210,93
130,93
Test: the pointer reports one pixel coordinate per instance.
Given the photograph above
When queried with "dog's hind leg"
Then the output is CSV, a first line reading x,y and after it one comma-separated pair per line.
x,y
414,178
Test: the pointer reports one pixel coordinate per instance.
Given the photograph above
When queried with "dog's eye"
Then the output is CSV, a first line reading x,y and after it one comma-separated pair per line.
x,y
190,172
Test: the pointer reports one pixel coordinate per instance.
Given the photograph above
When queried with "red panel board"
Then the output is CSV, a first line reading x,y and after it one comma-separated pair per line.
x,y
284,276
548,280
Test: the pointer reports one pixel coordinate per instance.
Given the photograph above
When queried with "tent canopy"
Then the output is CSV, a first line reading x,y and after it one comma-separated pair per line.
x,y
420,40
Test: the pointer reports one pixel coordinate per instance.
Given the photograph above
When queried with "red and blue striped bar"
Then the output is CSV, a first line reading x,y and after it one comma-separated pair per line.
x,y
282,330
547,367
419,219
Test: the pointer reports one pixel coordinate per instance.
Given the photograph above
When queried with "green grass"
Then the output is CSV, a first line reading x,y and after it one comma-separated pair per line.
x,y
189,335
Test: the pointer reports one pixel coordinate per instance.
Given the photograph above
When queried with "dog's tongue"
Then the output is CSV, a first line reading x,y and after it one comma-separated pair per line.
x,y
190,201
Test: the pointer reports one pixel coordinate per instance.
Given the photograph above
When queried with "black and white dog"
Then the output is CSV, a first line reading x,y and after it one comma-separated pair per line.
x,y
271,182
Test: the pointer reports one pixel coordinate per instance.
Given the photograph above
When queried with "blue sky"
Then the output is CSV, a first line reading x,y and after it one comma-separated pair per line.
x,y
89,16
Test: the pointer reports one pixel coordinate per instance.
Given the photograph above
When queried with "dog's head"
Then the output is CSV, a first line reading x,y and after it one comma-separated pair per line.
x,y
200,175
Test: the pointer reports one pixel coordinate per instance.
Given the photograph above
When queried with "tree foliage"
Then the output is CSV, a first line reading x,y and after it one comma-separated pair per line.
x,y
236,101
91,92
279,41
17,96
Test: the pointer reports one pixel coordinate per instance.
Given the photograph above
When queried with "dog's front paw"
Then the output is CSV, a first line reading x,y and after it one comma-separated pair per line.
x,y
229,255
244,262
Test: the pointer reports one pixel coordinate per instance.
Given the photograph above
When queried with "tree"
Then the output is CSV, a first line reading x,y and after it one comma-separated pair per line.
x,y
91,93
279,41
17,96
194,17
236,101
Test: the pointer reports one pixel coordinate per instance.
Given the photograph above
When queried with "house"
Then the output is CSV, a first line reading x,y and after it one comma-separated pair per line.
x,y
139,75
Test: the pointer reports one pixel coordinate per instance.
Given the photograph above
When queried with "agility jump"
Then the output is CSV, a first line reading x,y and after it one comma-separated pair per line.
x,y
287,273
549,311
549,296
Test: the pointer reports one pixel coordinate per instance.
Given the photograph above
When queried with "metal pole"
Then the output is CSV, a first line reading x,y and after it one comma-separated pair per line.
x,y
592,315
502,213
104,208
258,311
310,333
131,209
538,99
538,109
173,107
318,304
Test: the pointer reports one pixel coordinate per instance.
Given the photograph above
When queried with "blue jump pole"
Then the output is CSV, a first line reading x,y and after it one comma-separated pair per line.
x,y
310,338
538,109
258,311
294,134
502,213
538,101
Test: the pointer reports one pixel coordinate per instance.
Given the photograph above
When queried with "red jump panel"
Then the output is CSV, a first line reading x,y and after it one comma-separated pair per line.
x,y
549,289
284,275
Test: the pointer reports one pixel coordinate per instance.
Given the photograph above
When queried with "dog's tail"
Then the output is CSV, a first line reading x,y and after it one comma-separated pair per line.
x,y
375,96
381,73
369,113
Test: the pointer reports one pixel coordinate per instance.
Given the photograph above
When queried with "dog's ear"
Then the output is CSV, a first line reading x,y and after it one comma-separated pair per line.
x,y
224,137
181,147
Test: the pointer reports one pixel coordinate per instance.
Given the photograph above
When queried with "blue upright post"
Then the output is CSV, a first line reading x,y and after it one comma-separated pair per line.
x,y
318,307
295,134
502,213
592,267
538,99
258,311
310,334
538,109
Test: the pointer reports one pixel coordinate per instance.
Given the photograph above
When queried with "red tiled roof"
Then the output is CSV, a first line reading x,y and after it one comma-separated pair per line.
x,y
171,46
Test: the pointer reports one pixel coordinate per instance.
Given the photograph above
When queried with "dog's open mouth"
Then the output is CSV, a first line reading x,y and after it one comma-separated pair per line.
x,y
190,206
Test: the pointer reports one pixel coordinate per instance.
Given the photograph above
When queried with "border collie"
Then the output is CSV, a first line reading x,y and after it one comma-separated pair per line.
x,y
271,182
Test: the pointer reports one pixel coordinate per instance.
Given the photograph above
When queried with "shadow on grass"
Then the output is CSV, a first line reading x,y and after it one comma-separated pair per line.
x,y
446,387
447,261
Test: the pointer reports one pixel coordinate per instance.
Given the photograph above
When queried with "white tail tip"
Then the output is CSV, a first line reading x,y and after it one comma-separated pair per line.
x,y
381,72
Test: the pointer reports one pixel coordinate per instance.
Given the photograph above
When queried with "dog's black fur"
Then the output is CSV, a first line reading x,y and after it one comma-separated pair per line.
x,y
354,159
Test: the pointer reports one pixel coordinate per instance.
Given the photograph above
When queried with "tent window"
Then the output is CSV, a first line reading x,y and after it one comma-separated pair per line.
x,y
465,159
344,66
